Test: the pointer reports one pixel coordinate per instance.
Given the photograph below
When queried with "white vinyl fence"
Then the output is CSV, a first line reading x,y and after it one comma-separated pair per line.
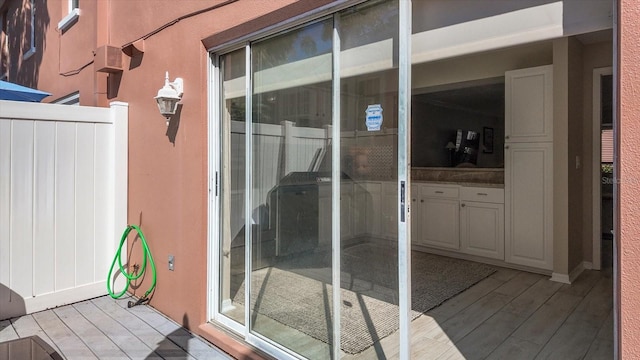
x,y
284,148
63,202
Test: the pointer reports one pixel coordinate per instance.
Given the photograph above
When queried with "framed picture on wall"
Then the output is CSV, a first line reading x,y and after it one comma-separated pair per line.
x,y
487,140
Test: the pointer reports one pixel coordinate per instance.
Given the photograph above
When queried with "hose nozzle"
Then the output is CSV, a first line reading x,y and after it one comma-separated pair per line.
x,y
140,301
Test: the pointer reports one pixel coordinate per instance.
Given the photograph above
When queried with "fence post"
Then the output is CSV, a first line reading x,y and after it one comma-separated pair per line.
x,y
288,148
120,120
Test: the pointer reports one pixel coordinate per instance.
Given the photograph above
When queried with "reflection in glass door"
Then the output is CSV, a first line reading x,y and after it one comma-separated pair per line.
x,y
309,228
291,287
369,195
232,186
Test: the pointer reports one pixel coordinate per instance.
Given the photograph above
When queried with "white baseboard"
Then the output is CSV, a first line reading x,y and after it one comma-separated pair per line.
x,y
588,265
573,275
561,278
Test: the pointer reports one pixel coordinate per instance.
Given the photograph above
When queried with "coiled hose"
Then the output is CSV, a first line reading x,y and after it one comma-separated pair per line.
x,y
130,277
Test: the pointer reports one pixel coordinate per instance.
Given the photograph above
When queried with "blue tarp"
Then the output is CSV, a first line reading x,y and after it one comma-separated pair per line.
x,y
11,91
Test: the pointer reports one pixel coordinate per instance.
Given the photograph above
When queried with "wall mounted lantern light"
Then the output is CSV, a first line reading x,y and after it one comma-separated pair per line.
x,y
169,96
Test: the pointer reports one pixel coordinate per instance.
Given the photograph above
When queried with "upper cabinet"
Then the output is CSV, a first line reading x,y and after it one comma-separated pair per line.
x,y
528,167
529,105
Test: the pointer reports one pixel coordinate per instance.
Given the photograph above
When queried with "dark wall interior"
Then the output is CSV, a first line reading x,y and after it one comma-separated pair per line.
x,y
437,115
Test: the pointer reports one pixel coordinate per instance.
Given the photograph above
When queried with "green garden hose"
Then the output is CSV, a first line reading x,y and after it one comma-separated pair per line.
x,y
145,253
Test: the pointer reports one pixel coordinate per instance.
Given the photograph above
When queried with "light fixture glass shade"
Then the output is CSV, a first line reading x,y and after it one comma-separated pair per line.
x,y
169,96
167,101
167,105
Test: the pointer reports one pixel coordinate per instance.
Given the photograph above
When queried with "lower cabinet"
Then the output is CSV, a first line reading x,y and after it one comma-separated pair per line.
x,y
437,216
482,229
439,223
465,219
389,210
469,220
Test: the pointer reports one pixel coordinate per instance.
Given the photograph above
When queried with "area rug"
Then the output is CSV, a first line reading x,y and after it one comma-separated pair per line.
x,y
301,296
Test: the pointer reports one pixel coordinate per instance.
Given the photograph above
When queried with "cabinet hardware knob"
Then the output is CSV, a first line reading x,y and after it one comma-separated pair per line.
x,y
506,146
463,205
439,192
413,200
421,200
506,137
483,194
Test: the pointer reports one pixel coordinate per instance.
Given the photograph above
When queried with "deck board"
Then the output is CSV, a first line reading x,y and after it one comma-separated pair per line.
x,y
126,341
68,343
508,315
104,328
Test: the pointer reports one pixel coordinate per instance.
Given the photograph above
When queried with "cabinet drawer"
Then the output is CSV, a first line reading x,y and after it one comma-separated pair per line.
x,y
439,191
480,194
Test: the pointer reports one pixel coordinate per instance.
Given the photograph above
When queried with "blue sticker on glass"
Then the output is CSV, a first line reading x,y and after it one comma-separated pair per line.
x,y
373,118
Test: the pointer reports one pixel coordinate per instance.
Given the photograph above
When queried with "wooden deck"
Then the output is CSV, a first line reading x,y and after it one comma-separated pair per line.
x,y
103,328
509,315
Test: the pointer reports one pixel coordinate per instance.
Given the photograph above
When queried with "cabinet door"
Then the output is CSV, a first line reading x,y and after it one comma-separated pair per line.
x,y
482,229
439,223
529,104
390,210
374,199
346,210
414,211
361,209
529,204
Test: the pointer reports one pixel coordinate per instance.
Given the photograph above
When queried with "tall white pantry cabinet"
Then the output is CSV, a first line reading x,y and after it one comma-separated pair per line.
x,y
528,167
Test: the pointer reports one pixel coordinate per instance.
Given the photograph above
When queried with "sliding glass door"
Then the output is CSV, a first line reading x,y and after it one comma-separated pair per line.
x,y
310,251
369,312
291,289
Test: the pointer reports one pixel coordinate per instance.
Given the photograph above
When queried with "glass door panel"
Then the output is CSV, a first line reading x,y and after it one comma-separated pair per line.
x,y
291,269
369,191
232,189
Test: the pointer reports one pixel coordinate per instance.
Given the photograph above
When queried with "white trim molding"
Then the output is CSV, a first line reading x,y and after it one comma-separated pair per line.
x,y
573,275
32,38
71,99
70,19
596,193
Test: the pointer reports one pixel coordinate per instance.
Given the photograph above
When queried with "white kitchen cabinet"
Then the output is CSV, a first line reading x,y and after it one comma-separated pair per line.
x,y
414,212
439,217
482,221
374,206
529,105
346,210
361,209
529,204
389,210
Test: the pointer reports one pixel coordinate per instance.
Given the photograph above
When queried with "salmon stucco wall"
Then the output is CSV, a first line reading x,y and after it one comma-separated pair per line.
x,y
629,178
168,165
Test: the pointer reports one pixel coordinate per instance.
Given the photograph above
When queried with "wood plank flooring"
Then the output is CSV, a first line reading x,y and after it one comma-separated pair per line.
x,y
509,315
104,328
515,315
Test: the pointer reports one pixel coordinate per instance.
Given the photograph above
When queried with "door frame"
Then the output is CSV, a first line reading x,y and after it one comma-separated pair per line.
x,y
215,163
596,148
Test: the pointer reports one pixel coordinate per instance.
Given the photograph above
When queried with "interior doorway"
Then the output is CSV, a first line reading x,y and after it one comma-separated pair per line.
x,y
309,172
603,180
480,156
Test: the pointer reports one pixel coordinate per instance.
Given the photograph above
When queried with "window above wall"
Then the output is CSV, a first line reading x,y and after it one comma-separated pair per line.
x,y
31,38
72,16
4,48
71,99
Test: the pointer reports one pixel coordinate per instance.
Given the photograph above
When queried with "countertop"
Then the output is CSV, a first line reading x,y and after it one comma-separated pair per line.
x,y
482,177
460,183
